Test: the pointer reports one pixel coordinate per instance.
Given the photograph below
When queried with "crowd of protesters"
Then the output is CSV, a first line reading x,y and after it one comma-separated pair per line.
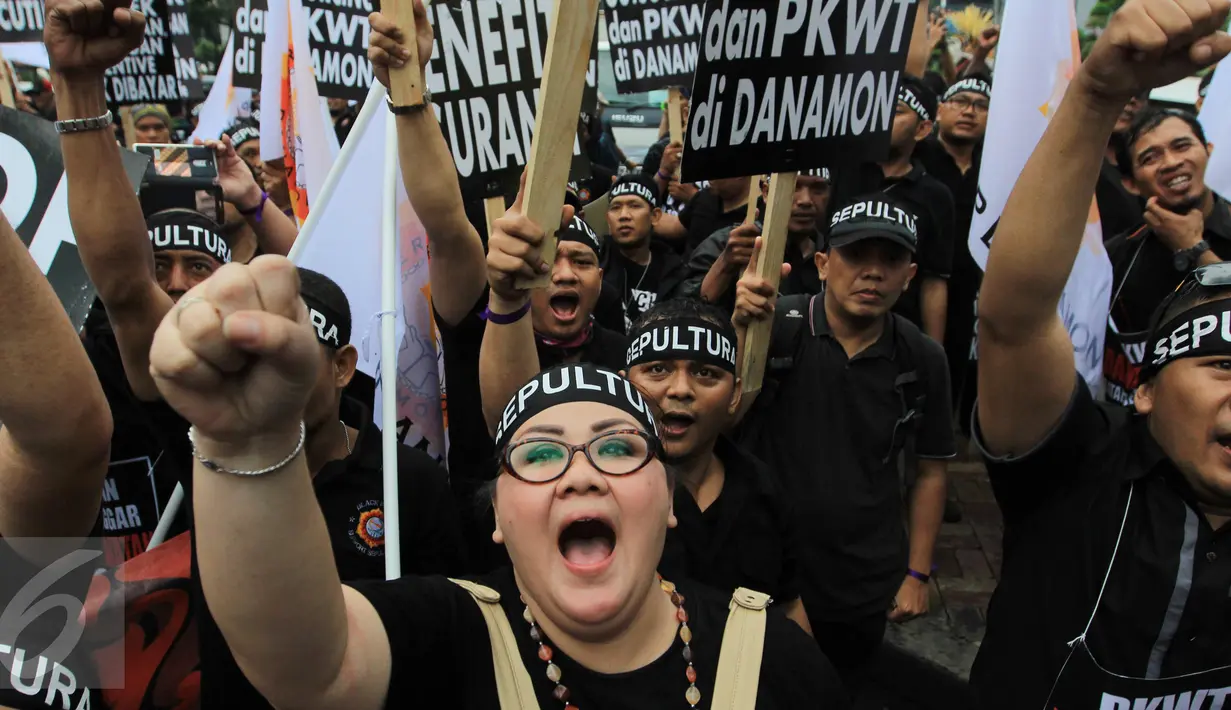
x,y
619,524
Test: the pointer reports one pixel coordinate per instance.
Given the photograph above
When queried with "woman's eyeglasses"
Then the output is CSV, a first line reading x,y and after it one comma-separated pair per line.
x,y
615,453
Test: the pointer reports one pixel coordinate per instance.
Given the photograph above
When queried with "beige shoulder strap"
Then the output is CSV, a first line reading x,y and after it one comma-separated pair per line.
x,y
512,681
743,642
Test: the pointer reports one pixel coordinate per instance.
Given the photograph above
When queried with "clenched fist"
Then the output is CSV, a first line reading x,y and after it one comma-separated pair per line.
x,y
86,37
236,356
1152,43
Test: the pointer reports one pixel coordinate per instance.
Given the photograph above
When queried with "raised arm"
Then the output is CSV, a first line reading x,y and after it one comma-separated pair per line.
x,y
275,231
921,42
238,360
1026,367
458,268
102,206
56,431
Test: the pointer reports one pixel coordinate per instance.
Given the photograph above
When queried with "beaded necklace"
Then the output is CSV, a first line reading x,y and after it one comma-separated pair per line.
x,y
554,674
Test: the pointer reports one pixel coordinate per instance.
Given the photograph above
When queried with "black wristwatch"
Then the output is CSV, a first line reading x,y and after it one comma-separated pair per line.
x,y
1185,260
407,110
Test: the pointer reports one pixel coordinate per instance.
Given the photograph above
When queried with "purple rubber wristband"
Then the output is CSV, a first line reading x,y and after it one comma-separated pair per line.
x,y
506,318
256,212
918,575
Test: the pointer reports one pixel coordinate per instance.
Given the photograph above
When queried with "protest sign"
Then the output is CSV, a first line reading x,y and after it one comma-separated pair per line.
x,y
484,77
21,21
34,199
790,85
150,73
653,45
249,38
184,52
338,34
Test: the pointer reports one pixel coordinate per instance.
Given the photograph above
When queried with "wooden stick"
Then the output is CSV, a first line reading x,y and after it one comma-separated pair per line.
x,y
406,81
8,84
493,209
769,267
754,194
555,124
675,120
129,125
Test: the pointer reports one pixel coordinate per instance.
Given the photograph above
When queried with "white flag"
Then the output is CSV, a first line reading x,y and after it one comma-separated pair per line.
x,y
225,102
1214,113
342,239
1037,57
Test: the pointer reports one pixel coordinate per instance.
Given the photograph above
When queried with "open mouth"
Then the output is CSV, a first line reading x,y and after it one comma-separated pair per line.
x,y
1179,183
564,306
676,424
587,543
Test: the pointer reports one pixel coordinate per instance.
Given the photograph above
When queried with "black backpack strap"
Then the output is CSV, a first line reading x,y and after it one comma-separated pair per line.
x,y
791,315
910,383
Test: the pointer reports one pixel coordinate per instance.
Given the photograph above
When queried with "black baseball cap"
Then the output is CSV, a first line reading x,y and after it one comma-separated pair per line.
x,y
874,217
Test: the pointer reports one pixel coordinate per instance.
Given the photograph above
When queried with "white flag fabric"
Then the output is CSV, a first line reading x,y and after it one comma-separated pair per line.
x,y
225,102
342,239
1214,113
1037,57
273,54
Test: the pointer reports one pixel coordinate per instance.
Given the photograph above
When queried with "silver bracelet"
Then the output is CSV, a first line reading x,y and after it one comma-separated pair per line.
x,y
303,435
77,125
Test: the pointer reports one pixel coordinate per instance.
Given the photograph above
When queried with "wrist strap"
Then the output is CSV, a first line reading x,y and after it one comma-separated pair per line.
x,y
506,318
663,176
218,468
918,575
257,211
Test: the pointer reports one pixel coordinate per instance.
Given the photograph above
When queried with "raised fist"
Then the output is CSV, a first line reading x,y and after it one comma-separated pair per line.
x,y
386,46
1152,43
86,37
236,356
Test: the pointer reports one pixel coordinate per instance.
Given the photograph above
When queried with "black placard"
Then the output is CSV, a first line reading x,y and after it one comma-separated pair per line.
x,y
786,85
249,33
338,35
654,44
31,171
184,51
150,73
484,76
21,20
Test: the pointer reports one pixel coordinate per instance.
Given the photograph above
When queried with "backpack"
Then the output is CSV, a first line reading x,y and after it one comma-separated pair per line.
x,y
910,383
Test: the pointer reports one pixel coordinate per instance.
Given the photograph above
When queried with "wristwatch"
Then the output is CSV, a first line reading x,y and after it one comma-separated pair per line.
x,y
1185,259
78,125
407,110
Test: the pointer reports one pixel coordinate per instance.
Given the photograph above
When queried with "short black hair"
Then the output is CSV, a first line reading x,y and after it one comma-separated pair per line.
x,y
320,289
1146,121
1185,301
685,307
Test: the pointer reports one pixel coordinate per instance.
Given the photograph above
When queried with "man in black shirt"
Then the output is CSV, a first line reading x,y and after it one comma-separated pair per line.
x,y
849,387
907,182
1117,564
722,204
641,269
733,522
1164,157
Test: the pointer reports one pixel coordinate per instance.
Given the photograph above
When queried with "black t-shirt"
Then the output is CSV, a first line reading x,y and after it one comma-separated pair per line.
x,y
437,634
52,677
745,538
703,216
831,428
638,286
1165,609
1119,210
149,454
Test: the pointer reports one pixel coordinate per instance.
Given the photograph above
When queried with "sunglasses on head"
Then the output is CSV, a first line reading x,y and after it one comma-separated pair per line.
x,y
1209,276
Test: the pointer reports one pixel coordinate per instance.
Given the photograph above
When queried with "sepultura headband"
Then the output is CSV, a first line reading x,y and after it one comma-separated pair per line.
x,y
908,97
572,383
694,339
973,84
634,187
331,328
579,231
182,229
1201,331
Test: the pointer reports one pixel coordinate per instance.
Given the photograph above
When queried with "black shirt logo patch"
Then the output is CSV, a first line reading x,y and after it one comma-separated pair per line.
x,y
367,531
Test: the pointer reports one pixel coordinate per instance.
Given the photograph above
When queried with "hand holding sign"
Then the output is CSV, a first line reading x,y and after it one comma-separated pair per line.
x,y
85,37
514,249
386,48
755,295
1151,43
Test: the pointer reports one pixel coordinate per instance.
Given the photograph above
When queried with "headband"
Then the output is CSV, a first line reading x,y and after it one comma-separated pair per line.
x,y
332,328
572,383
694,339
1200,331
176,229
822,173
579,231
242,133
634,187
973,84
908,97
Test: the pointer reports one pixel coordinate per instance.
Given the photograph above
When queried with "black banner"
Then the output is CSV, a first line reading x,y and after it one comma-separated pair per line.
x,y
654,43
35,201
785,85
249,39
484,77
21,20
150,73
338,34
185,52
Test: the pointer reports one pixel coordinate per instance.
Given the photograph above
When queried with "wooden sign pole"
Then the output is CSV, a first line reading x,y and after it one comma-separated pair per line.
x,y
8,84
769,267
675,119
555,125
754,194
406,81
493,209
130,126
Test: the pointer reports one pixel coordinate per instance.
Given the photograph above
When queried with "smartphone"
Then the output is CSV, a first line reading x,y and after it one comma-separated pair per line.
x,y
180,176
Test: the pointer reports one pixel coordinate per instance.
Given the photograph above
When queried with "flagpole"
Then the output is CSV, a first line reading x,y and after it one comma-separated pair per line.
x,y
390,273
